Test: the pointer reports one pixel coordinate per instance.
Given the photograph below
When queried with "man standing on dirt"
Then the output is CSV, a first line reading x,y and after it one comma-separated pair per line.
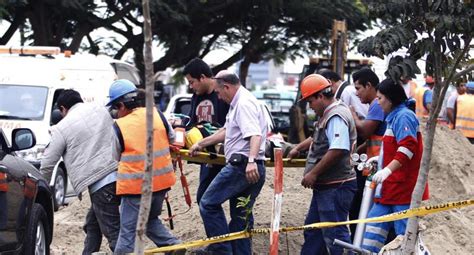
x,y
328,170
129,147
86,150
205,106
244,135
370,130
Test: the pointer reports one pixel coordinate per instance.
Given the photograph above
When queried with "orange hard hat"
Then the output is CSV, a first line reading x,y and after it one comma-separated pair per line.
x,y
429,79
313,83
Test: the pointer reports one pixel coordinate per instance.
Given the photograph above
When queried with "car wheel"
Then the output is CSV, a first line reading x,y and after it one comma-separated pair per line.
x,y
36,239
59,189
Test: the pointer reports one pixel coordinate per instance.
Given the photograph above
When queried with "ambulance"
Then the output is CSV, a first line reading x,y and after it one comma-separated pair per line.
x,y
31,78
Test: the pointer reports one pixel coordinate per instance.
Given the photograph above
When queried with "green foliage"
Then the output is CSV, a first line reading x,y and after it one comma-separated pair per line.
x,y
437,29
244,202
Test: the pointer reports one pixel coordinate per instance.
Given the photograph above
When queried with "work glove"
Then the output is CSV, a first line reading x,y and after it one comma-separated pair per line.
x,y
381,175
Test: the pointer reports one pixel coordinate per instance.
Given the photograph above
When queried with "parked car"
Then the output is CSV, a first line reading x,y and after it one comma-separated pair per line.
x,y
26,200
279,104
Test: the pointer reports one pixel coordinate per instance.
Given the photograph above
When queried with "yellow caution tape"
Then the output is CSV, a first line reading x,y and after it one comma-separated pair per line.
x,y
219,159
420,211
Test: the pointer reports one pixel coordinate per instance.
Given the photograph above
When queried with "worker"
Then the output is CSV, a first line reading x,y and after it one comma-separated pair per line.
x,y
370,130
244,135
424,98
346,93
451,104
205,106
129,147
465,114
399,164
86,151
328,170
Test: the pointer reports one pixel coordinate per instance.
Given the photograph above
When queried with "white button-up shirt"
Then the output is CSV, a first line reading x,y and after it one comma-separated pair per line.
x,y
245,119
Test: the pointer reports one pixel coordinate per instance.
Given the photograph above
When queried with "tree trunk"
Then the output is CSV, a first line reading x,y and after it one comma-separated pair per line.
x,y
145,202
244,71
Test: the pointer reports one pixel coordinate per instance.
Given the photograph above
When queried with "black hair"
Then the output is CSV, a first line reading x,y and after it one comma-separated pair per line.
x,y
330,75
364,76
196,67
68,98
393,91
136,99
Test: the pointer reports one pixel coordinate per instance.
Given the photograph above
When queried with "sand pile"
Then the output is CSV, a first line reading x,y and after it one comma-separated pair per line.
x,y
451,179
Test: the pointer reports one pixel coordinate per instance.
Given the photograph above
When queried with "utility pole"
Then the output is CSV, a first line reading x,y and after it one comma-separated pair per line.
x,y
145,202
339,46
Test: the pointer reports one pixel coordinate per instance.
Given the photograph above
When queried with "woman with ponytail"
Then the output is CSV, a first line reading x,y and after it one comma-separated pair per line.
x,y
399,162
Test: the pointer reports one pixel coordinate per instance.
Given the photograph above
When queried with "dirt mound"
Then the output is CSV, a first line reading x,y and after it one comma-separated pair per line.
x,y
451,178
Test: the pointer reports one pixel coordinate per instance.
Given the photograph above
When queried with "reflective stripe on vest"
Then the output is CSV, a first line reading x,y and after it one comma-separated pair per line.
x,y
3,182
420,109
373,145
465,115
132,162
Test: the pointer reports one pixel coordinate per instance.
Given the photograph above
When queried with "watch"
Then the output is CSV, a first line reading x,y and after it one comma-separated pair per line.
x,y
251,160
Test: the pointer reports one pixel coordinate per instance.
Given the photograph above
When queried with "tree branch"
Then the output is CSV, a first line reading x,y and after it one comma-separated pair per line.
x,y
14,25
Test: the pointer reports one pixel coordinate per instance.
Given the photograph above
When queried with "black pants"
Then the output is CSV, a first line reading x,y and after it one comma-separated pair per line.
x,y
103,218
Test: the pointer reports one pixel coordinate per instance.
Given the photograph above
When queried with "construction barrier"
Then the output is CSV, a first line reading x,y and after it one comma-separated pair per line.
x,y
277,201
219,159
415,212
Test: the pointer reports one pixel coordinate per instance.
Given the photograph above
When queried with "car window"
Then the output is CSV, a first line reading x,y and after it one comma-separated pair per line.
x,y
22,102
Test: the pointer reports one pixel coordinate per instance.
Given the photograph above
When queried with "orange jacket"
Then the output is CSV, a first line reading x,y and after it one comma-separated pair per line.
x,y
420,109
465,115
132,162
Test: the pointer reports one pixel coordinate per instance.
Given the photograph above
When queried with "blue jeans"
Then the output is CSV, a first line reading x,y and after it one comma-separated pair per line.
x,y
206,175
155,230
229,184
103,218
376,233
331,204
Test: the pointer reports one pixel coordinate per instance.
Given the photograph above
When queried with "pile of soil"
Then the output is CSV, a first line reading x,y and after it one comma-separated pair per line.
x,y
451,179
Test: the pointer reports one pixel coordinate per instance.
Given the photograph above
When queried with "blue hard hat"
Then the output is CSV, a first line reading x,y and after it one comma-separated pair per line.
x,y
120,88
470,85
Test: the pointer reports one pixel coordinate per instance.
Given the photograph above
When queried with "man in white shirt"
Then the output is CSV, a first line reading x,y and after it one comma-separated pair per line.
x,y
346,93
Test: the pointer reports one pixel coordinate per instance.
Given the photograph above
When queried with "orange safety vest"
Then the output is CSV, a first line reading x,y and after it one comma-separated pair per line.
x,y
3,182
132,162
420,109
465,115
373,145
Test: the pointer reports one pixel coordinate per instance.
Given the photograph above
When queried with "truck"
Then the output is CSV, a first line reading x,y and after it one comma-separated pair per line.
x,y
30,82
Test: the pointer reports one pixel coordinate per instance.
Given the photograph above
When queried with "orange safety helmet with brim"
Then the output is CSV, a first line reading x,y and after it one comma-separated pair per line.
x,y
313,84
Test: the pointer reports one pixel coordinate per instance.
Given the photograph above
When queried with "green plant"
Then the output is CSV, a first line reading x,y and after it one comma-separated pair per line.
x,y
244,202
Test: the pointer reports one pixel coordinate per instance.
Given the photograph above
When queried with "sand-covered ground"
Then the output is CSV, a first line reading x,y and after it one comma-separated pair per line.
x,y
451,178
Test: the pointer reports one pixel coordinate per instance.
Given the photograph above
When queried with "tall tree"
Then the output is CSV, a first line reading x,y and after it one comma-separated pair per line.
x,y
438,30
145,201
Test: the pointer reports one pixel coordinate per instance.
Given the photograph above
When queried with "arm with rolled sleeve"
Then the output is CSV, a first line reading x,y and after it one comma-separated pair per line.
x,y
249,126
53,153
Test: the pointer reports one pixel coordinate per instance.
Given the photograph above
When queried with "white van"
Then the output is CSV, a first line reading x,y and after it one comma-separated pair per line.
x,y
30,85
